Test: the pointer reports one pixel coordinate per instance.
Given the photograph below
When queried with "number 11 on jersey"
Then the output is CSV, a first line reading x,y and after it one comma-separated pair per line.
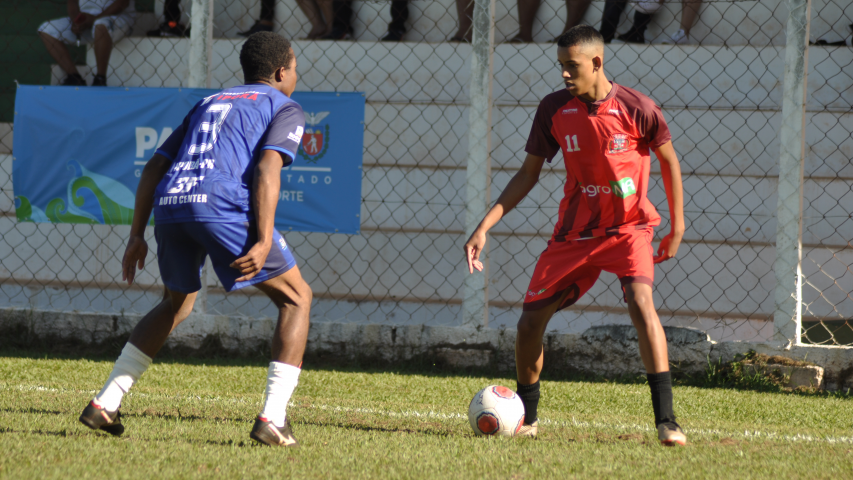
x,y
569,140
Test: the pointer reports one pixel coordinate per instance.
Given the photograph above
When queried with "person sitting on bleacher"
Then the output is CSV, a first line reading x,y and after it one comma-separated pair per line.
x,y
172,27
102,22
643,10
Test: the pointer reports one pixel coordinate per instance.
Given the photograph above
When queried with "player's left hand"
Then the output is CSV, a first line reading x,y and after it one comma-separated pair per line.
x,y
668,247
134,256
252,263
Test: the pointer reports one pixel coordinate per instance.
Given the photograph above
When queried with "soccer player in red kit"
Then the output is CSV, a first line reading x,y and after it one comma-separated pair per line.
x,y
605,132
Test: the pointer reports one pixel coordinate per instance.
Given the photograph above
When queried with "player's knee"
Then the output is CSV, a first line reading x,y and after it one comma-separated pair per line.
x,y
305,295
529,326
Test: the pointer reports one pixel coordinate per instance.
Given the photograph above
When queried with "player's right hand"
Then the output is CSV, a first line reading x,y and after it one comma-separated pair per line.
x,y
473,247
134,256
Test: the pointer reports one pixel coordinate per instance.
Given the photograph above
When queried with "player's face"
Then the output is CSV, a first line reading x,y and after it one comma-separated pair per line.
x,y
289,77
578,69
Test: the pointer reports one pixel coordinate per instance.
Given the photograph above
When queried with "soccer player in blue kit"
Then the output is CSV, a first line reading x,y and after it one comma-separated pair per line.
x,y
213,186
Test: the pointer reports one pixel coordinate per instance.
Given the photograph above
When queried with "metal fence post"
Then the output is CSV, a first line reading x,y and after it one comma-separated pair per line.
x,y
475,302
200,55
201,43
787,317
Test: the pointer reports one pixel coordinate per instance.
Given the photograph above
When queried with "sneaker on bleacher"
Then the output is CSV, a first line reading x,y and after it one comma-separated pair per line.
x,y
74,80
678,38
169,29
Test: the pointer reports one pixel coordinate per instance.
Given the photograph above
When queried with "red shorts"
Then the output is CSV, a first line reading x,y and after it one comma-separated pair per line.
x,y
575,265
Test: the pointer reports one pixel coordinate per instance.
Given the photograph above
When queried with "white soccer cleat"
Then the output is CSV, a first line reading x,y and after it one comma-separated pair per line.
x,y
528,430
678,38
670,434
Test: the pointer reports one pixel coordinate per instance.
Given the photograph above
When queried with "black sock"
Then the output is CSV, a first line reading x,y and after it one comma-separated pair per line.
x,y
530,398
661,386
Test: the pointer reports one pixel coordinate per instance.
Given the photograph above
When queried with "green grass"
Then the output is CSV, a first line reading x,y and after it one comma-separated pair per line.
x,y
191,418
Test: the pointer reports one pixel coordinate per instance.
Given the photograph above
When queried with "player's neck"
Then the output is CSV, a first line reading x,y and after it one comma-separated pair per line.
x,y
598,92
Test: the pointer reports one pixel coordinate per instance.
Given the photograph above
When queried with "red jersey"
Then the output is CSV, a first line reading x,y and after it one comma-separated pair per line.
x,y
606,150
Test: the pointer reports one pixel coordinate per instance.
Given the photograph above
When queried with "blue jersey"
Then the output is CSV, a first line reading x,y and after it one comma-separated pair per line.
x,y
215,150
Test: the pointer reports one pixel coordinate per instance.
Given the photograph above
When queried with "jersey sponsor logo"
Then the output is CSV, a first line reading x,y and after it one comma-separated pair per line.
x,y
181,199
315,140
621,188
282,243
206,163
618,143
531,293
624,188
295,136
613,111
594,190
185,184
569,110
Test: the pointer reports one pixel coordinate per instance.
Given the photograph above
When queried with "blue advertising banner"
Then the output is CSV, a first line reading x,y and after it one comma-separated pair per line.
x,y
78,154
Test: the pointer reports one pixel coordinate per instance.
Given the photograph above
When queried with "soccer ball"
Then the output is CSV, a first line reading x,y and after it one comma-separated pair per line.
x,y
496,410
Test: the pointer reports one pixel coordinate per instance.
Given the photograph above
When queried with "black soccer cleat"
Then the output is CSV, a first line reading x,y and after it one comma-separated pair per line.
x,y
99,418
265,432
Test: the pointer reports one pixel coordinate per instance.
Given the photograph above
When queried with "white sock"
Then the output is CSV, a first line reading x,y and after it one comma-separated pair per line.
x,y
281,382
131,364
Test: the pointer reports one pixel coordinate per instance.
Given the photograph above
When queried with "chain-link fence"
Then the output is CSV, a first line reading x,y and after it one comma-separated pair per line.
x,y
715,67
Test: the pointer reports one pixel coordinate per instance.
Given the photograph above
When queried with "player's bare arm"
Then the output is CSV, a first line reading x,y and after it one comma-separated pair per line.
x,y
137,248
671,174
265,198
517,188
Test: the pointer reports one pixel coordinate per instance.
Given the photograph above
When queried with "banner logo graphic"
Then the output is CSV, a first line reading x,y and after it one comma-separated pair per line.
x,y
314,142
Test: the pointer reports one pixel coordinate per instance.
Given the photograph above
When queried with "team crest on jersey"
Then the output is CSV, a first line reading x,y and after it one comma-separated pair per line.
x,y
618,143
315,141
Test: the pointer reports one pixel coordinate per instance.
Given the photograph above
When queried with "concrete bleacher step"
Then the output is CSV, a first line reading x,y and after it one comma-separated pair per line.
x,y
675,76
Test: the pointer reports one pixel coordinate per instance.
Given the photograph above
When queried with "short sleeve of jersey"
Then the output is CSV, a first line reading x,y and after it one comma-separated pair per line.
x,y
653,126
172,146
541,141
285,131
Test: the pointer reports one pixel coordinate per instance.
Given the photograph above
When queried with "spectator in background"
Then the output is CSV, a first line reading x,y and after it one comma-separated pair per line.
x,y
320,14
101,22
643,10
689,12
342,21
465,14
575,11
171,26
265,23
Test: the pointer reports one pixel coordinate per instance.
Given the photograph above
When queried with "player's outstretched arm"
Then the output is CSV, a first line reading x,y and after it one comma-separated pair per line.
x,y
671,173
517,188
265,198
137,248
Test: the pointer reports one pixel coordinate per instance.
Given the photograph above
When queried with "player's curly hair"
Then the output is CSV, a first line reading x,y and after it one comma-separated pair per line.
x,y
580,35
263,54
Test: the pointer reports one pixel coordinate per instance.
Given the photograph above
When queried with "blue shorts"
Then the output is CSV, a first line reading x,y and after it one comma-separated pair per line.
x,y
182,247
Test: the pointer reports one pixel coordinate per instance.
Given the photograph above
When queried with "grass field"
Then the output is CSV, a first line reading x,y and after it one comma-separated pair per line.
x,y
191,418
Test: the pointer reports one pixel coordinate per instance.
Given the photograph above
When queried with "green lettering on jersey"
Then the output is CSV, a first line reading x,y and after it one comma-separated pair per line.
x,y
624,188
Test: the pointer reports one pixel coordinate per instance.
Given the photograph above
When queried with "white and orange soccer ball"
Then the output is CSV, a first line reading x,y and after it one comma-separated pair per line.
x,y
496,410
